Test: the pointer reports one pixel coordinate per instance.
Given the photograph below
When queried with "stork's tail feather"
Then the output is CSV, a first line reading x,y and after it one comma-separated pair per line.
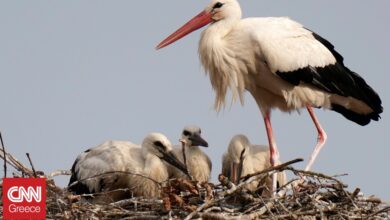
x,y
355,117
366,94
370,97
337,78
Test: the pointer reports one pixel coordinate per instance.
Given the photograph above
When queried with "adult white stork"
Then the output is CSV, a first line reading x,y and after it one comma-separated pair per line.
x,y
281,63
242,158
197,162
116,165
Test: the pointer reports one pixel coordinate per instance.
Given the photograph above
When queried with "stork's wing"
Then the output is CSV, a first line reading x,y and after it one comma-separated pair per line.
x,y
261,157
107,157
286,45
110,155
299,55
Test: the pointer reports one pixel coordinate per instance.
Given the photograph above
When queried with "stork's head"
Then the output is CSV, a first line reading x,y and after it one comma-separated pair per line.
x,y
237,151
217,10
191,137
238,147
159,145
223,9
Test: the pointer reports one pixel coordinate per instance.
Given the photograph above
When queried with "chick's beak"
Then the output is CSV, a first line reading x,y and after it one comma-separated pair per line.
x,y
171,158
197,140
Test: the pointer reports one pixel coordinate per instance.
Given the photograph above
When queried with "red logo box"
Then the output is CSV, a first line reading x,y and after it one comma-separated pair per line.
x,y
24,198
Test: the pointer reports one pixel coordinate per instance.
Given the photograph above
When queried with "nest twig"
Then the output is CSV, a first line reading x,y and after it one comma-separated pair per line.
x,y
319,196
4,157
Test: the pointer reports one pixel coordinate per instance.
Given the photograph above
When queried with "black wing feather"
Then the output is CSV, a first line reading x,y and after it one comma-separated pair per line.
x,y
338,79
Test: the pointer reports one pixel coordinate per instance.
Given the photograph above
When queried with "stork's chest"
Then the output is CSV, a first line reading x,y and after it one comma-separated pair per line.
x,y
194,157
155,169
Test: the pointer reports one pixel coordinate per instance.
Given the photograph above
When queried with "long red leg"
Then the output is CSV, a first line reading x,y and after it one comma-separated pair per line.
x,y
274,153
321,139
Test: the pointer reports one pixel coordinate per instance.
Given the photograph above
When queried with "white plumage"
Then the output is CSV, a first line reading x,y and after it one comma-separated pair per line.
x,y
281,63
198,163
139,168
242,158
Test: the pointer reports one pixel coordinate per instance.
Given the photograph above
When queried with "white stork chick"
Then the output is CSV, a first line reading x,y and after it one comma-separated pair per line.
x,y
197,162
242,158
139,168
282,64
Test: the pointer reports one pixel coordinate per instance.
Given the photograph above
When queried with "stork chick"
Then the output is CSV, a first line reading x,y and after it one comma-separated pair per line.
x,y
242,158
197,162
130,169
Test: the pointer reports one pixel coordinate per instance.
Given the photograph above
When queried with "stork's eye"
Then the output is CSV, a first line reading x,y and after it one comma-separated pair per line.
x,y
217,5
159,144
186,133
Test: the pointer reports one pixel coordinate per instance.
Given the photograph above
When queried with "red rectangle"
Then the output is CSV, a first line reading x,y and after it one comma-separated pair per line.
x,y
24,198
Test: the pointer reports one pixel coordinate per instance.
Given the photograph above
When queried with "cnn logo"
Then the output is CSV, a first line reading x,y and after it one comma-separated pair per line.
x,y
24,195
24,198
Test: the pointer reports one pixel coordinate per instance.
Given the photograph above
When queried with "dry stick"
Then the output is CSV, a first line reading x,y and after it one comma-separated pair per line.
x,y
385,209
278,167
248,179
114,172
278,195
104,193
59,173
271,203
200,208
5,158
355,193
213,201
31,164
136,200
350,199
15,163
311,173
321,212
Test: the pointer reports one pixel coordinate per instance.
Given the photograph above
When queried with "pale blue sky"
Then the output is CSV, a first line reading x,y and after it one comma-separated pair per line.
x,y
76,73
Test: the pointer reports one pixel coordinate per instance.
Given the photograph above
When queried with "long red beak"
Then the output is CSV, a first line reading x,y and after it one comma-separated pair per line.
x,y
194,24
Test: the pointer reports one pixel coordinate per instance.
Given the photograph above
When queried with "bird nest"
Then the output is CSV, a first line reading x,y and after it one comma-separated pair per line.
x,y
309,195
